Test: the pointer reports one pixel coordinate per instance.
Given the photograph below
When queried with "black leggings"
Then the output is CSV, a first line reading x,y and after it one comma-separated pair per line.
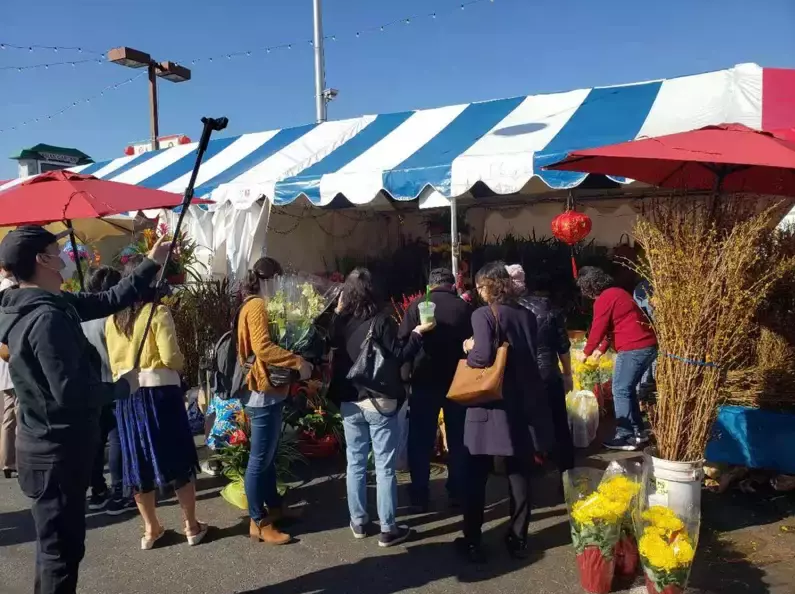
x,y
477,475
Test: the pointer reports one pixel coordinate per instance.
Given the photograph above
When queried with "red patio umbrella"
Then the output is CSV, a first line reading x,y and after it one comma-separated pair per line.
x,y
64,195
728,158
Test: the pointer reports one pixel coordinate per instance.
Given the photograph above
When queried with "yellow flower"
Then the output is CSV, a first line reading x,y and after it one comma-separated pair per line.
x,y
597,508
663,555
619,488
664,518
683,550
657,552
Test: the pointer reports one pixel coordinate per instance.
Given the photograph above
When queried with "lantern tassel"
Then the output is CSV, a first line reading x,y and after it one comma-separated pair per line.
x,y
573,265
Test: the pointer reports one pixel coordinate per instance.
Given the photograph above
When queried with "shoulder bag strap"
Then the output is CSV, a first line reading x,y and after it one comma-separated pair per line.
x,y
494,311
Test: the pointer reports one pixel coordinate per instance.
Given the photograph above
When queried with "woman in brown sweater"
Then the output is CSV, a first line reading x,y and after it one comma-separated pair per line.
x,y
263,404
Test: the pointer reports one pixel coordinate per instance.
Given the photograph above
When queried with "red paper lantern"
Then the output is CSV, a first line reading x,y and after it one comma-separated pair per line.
x,y
571,227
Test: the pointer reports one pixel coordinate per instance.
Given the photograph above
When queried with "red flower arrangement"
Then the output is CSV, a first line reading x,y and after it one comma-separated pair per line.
x,y
405,302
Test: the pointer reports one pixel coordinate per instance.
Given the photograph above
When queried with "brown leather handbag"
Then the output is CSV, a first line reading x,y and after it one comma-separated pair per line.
x,y
472,386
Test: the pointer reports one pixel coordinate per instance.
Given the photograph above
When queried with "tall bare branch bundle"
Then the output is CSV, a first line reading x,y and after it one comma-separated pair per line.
x,y
712,264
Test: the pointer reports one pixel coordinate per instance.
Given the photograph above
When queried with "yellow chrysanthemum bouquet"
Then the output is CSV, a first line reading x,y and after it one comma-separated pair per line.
x,y
667,549
599,504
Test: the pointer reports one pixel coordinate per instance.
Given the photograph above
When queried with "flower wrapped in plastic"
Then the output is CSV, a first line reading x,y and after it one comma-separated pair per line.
x,y
583,411
597,507
667,545
299,308
622,480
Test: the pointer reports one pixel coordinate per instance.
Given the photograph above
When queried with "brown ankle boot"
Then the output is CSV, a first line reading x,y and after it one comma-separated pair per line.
x,y
267,533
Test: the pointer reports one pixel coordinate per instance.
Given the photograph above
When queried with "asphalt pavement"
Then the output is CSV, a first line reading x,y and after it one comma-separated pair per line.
x,y
326,559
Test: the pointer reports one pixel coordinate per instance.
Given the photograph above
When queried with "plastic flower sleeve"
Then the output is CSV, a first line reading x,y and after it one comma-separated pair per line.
x,y
583,410
595,527
623,480
667,543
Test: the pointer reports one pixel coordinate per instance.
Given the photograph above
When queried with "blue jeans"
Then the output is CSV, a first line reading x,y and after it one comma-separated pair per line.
x,y
260,480
627,373
424,408
361,429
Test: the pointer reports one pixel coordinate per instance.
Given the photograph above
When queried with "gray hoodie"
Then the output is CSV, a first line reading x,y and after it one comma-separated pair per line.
x,y
95,333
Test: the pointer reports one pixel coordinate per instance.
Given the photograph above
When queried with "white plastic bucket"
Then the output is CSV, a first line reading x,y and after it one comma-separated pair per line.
x,y
676,485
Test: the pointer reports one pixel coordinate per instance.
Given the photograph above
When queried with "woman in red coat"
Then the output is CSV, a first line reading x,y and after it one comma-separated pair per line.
x,y
616,315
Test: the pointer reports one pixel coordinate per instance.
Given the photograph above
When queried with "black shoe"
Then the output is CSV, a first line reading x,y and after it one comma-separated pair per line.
x,y
517,548
390,539
119,506
359,532
470,551
9,473
642,437
99,500
624,444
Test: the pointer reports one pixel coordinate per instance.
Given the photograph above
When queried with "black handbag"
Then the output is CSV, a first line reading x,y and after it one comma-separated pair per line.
x,y
375,371
278,377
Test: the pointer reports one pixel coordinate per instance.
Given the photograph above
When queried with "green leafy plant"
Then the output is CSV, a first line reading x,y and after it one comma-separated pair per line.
x,y
202,312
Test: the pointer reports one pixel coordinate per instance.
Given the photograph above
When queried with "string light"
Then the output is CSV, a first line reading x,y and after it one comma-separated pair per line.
x,y
73,104
52,48
407,20
47,65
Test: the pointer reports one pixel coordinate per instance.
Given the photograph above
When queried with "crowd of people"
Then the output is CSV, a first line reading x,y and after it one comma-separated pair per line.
x,y
70,390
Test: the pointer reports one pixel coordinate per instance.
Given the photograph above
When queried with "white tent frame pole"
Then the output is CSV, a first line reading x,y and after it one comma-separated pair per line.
x,y
320,64
455,244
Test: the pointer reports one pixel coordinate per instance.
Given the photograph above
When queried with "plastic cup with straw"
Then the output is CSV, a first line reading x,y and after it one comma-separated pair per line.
x,y
427,308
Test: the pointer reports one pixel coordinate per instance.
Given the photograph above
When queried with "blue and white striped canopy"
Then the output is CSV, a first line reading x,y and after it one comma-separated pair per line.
x,y
444,151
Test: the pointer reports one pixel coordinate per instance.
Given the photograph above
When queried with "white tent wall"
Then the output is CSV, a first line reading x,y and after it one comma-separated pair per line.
x,y
312,239
611,219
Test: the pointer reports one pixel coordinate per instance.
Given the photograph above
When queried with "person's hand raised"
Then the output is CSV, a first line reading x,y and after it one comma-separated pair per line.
x,y
427,327
159,251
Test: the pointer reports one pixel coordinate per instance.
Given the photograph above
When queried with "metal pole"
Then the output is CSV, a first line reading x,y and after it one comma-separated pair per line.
x,y
73,240
153,119
320,66
455,245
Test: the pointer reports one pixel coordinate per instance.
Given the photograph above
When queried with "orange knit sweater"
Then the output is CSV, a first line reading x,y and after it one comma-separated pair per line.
x,y
253,338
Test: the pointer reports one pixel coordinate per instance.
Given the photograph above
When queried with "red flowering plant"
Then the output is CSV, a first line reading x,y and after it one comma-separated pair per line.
x,y
234,456
403,305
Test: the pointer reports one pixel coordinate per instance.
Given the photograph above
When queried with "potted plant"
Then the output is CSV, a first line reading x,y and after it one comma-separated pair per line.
x,y
319,433
183,261
597,507
711,263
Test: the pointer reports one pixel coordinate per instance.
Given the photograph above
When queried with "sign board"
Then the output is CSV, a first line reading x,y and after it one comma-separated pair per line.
x,y
165,142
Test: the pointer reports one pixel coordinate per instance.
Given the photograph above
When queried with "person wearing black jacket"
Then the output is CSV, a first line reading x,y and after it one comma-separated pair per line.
x,y
370,418
431,375
56,374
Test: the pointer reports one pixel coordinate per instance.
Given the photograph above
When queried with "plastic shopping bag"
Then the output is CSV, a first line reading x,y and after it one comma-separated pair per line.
x,y
583,409
403,437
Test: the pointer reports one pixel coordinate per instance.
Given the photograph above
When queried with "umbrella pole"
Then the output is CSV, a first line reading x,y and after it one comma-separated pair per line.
x,y
73,240
210,125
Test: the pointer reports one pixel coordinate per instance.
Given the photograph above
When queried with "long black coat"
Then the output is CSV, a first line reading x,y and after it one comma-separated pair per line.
x,y
524,397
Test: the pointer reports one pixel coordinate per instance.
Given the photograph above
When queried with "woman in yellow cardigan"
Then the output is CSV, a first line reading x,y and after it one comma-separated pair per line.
x,y
264,404
156,441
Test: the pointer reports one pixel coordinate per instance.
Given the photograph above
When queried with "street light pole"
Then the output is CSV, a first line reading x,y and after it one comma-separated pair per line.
x,y
320,67
131,58
154,125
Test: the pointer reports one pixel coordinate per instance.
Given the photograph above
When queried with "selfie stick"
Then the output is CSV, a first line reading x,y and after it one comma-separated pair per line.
x,y
210,125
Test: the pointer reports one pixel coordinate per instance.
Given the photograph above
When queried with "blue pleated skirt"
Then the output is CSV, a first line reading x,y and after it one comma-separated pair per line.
x,y
156,441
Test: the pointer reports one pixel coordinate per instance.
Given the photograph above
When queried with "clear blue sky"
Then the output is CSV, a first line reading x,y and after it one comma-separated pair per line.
x,y
490,50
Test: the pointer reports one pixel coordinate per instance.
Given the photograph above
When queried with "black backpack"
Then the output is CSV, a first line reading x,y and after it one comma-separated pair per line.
x,y
228,375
